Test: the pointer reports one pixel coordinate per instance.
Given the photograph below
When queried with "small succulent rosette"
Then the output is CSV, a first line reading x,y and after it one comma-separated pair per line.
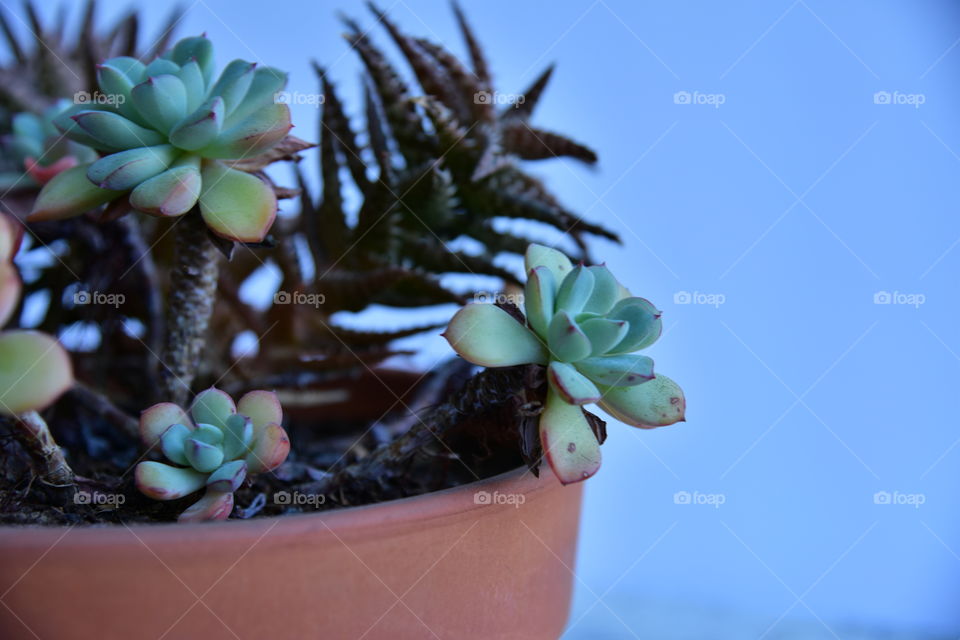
x,y
35,151
584,326
168,132
214,448
35,369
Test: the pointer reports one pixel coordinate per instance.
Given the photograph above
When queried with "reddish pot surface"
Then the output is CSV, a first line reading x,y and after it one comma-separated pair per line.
x,y
492,559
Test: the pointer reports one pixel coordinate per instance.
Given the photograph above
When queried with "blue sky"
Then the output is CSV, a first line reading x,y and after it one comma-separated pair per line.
x,y
784,177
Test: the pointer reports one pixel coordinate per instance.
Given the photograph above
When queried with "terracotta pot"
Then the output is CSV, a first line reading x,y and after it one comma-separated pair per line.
x,y
468,562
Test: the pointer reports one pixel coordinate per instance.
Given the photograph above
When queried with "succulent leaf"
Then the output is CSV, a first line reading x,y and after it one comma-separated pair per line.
x,y
236,205
606,291
160,66
172,442
212,406
572,385
202,456
214,505
161,101
171,193
489,336
644,321
113,132
656,403
568,442
10,287
162,482
624,370
192,78
34,371
124,170
199,49
538,299
201,127
568,342
69,194
238,434
233,83
604,333
267,81
575,290
117,85
208,434
538,255
269,449
262,407
228,477
155,421
254,134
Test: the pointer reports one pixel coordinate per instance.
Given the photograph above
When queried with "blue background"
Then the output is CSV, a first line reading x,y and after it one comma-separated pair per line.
x,y
794,203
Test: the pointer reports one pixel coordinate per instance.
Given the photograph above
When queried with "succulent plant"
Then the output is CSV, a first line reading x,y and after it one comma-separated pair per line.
x,y
215,447
36,151
584,327
34,368
169,132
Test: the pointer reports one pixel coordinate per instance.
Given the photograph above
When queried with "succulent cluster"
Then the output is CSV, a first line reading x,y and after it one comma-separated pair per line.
x,y
167,130
34,368
35,151
584,326
215,447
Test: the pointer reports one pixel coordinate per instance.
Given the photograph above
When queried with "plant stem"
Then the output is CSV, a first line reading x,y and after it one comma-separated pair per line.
x,y
386,472
193,288
47,458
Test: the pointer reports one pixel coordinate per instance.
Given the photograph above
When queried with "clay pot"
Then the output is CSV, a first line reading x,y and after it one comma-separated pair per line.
x,y
492,559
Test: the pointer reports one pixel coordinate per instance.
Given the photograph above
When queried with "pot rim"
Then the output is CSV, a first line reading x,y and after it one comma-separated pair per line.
x,y
376,517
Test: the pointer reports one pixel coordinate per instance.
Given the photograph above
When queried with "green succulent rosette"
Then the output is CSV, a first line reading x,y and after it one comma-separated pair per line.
x,y
585,328
35,151
168,133
214,447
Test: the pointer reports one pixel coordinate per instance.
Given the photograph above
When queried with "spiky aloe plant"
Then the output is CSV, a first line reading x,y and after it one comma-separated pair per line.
x,y
440,168
53,62
584,327
214,448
